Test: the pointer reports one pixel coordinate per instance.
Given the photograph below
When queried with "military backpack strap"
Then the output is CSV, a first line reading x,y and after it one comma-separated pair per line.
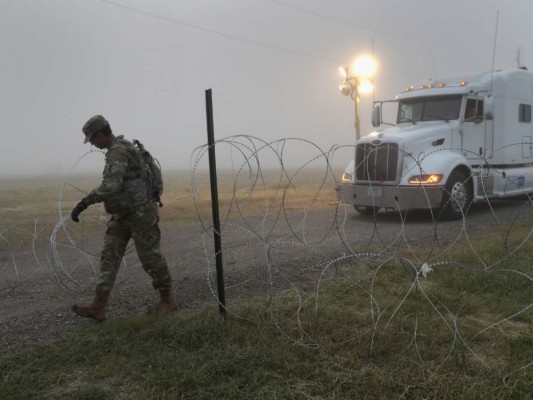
x,y
155,172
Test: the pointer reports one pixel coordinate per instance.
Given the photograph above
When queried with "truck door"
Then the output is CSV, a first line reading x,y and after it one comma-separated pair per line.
x,y
476,138
527,147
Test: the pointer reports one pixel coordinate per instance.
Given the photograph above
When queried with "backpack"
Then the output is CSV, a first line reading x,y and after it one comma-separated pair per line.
x,y
155,177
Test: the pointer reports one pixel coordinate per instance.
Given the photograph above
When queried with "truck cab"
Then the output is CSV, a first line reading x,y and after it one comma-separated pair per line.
x,y
455,141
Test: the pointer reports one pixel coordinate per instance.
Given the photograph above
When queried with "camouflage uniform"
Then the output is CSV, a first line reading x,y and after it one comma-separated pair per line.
x,y
134,215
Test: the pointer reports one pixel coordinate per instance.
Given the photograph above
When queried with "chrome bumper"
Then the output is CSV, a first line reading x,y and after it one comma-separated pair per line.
x,y
396,197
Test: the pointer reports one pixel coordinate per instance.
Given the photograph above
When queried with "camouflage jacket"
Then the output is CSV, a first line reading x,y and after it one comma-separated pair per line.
x,y
123,189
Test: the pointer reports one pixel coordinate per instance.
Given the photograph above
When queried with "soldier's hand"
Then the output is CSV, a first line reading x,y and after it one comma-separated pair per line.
x,y
77,211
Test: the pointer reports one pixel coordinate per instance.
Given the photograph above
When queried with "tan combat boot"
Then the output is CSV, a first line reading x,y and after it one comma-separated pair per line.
x,y
95,310
167,302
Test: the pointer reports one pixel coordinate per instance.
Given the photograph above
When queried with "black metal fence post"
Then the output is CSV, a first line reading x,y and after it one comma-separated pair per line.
x,y
214,201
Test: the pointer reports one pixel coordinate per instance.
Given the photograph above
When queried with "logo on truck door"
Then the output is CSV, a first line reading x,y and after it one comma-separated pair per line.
x,y
517,181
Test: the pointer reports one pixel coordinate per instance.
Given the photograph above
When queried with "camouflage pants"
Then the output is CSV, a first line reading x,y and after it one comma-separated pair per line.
x,y
143,227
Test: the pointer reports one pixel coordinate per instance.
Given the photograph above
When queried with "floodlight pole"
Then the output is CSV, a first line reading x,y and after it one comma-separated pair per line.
x,y
361,73
214,202
355,95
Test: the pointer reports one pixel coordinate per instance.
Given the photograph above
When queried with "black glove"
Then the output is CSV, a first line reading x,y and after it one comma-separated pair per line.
x,y
77,211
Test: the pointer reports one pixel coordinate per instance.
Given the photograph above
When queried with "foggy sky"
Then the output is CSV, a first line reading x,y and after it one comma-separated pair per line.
x,y
272,66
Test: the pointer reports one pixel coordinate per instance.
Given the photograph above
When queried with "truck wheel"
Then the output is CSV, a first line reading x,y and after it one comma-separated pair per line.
x,y
367,210
457,197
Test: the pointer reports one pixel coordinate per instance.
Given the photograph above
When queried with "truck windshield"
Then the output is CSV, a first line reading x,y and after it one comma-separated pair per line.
x,y
436,108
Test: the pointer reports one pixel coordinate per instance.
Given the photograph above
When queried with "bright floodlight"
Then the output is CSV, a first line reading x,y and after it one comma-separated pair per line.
x,y
345,88
342,72
364,66
365,86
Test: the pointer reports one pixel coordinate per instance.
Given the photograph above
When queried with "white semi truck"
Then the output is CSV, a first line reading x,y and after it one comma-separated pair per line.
x,y
456,141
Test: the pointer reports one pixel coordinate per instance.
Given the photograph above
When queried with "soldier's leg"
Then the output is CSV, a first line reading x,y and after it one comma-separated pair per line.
x,y
147,243
115,241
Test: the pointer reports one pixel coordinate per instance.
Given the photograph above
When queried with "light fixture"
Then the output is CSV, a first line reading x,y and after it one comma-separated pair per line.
x,y
428,179
346,178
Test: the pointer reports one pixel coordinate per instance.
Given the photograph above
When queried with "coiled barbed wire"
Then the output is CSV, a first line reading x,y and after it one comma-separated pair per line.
x,y
318,263
288,239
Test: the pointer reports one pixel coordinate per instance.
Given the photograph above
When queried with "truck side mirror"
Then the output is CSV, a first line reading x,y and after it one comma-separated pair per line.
x,y
376,116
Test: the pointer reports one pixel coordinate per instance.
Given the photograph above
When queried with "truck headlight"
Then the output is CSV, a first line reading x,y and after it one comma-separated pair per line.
x,y
430,179
346,178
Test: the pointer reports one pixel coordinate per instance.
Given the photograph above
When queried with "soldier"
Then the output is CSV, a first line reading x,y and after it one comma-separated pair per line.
x,y
127,196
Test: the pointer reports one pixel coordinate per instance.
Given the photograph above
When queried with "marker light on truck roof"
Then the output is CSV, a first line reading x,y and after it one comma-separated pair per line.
x,y
432,86
429,179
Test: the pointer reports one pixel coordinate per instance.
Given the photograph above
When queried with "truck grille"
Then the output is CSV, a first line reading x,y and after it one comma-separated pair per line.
x,y
378,163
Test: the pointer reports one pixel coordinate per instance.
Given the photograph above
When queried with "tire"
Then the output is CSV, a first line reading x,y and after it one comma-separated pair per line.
x,y
457,197
368,211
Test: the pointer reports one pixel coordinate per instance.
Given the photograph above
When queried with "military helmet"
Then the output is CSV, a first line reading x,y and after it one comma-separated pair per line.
x,y
94,125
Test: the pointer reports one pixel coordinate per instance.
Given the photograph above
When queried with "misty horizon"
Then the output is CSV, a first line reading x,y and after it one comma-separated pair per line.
x,y
272,67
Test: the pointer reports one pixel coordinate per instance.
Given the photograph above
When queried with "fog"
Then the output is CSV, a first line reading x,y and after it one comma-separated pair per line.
x,y
272,66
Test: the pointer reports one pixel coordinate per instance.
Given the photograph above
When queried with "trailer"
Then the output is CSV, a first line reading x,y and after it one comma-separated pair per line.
x,y
455,141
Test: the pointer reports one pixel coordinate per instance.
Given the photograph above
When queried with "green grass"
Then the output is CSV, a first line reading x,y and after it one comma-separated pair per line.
x,y
199,355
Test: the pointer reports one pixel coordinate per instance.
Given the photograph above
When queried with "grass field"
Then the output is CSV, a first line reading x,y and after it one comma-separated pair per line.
x,y
26,199
200,355
463,332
